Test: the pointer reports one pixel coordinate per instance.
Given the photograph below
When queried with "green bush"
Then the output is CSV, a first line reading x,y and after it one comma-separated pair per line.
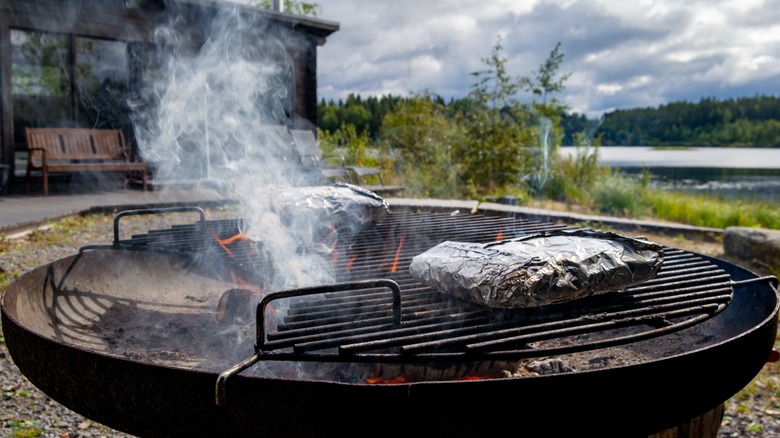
x,y
423,139
619,195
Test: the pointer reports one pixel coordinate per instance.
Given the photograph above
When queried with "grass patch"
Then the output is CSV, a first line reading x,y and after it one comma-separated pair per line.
x,y
618,195
68,233
711,212
607,191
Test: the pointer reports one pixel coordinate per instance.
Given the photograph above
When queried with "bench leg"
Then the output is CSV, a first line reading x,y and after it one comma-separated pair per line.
x,y
45,182
27,177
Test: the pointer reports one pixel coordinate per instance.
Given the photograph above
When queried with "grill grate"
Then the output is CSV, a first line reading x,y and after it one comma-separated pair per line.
x,y
365,318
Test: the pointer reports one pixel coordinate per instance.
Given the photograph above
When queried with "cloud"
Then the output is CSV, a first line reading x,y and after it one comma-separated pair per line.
x,y
621,54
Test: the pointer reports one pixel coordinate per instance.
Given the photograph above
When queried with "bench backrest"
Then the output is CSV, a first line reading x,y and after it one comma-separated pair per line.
x,y
76,143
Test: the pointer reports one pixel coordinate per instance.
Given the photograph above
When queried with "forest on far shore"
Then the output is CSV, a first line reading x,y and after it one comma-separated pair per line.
x,y
742,122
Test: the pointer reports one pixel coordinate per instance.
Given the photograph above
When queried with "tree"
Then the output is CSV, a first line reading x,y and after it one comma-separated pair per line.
x,y
545,81
496,153
425,136
494,86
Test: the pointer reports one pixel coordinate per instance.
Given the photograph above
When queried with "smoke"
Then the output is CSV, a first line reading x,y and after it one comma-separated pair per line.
x,y
216,119
221,122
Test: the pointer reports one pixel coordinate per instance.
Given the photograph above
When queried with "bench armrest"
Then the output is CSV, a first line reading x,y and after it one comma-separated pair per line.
x,y
31,154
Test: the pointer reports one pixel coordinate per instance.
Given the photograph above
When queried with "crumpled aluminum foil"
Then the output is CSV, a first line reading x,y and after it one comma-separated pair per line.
x,y
550,267
338,203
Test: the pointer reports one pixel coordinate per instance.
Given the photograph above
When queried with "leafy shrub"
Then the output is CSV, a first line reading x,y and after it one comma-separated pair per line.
x,y
619,195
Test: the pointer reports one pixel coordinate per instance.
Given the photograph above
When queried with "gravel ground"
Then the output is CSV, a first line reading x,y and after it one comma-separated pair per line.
x,y
25,411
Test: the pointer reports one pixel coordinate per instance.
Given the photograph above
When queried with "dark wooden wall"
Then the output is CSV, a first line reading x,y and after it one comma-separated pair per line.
x,y
136,21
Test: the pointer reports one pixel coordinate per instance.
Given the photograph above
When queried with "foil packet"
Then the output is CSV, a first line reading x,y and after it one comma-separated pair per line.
x,y
339,200
550,267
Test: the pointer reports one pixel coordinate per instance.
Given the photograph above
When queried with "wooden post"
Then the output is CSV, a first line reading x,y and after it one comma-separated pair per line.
x,y
704,426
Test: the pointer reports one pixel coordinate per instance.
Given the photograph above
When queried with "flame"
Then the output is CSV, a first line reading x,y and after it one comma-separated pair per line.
x,y
350,263
500,236
237,301
394,268
225,243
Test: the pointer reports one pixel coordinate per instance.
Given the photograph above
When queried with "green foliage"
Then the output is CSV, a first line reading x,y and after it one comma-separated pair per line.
x,y
501,144
365,114
482,145
490,144
545,79
42,66
495,88
425,138
743,122
618,195
494,157
355,149
573,177
347,138
24,429
711,212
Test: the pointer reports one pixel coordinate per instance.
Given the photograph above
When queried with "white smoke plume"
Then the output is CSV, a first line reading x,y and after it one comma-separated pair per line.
x,y
221,120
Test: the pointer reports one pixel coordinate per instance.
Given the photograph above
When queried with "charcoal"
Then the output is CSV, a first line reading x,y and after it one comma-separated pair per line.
x,y
545,268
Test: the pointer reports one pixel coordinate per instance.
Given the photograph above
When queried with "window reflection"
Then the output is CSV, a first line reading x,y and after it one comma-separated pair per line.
x,y
49,90
102,83
40,85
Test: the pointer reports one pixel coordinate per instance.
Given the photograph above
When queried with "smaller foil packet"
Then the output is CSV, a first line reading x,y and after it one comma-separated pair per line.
x,y
550,267
338,203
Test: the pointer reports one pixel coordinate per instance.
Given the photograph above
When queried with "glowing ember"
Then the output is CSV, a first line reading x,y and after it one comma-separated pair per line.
x,y
500,236
381,381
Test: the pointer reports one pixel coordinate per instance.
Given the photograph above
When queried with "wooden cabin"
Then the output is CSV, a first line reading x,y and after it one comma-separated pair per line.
x,y
82,63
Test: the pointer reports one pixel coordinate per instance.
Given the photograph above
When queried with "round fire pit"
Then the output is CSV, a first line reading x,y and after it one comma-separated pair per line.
x,y
130,338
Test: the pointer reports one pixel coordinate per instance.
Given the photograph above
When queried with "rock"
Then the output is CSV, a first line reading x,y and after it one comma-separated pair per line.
x,y
752,244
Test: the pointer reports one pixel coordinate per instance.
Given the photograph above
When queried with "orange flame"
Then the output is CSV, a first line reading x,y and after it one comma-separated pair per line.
x,y
350,263
500,236
225,243
394,268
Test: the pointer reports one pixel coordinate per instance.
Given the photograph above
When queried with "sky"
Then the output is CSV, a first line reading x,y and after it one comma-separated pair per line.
x,y
620,53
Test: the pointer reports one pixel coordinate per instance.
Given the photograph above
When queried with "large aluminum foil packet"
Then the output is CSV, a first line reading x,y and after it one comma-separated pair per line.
x,y
545,268
337,204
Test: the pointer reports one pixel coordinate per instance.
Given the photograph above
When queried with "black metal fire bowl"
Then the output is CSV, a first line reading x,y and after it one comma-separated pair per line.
x,y
60,322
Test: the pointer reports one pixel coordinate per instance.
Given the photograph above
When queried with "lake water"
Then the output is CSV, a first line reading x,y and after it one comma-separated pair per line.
x,y
733,173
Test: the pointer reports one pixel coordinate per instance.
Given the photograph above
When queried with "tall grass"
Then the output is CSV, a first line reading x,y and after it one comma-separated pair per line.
x,y
714,212
615,194
580,180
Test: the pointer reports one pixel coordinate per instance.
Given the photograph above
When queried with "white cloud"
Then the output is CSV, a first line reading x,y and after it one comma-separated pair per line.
x,y
623,54
609,89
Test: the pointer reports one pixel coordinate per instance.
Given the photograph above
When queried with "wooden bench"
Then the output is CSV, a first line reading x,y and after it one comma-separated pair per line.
x,y
68,150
